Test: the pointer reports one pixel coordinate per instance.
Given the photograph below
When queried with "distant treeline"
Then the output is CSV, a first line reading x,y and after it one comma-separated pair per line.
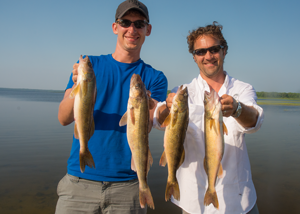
x,y
263,94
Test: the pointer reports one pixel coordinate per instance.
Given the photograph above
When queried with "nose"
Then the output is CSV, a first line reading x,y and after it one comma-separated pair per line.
x,y
209,55
132,28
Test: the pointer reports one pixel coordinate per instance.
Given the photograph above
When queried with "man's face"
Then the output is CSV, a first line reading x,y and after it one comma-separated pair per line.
x,y
131,38
210,65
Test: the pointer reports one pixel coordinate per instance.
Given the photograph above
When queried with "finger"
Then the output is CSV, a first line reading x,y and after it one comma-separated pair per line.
x,y
75,66
169,100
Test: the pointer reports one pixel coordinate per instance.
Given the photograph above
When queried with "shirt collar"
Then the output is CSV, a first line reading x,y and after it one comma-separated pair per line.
x,y
205,87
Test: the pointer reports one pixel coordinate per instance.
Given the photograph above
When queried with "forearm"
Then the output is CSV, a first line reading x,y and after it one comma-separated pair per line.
x,y
65,110
248,117
162,113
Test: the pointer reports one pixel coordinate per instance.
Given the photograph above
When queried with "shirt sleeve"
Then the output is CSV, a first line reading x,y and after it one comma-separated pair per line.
x,y
159,88
249,98
70,83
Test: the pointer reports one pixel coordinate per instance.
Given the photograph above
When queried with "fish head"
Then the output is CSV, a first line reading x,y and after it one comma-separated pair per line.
x,y
181,97
137,87
211,99
85,67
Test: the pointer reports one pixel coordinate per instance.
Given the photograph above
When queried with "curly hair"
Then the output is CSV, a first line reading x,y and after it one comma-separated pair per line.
x,y
213,30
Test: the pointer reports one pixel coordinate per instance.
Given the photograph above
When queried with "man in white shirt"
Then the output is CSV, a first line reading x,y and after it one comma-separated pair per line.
x,y
241,114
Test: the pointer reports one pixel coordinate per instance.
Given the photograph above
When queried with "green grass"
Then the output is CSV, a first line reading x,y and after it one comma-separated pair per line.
x,y
279,102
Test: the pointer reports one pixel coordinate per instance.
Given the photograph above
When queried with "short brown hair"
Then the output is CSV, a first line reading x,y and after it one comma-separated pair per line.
x,y
214,30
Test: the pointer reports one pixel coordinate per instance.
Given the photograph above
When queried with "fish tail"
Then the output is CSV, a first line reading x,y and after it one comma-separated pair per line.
x,y
211,197
146,198
172,189
86,158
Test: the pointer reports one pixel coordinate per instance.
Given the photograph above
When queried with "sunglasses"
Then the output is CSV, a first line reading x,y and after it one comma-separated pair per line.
x,y
126,23
212,50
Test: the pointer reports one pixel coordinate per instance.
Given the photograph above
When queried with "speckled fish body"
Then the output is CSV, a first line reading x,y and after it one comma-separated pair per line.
x,y
137,120
214,129
176,125
85,96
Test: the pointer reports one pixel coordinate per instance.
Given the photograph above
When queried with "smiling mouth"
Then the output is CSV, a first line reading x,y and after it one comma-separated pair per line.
x,y
210,63
131,38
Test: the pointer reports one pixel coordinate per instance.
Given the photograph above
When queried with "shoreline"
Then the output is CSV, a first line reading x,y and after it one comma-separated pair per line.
x,y
278,101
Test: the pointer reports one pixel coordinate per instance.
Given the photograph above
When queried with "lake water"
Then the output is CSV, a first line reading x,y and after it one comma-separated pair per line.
x,y
34,149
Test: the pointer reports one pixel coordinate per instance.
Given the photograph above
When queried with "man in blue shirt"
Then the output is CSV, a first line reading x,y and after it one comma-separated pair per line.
x,y
110,187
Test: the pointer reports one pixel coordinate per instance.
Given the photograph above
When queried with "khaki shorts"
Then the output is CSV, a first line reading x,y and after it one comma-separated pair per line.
x,y
78,195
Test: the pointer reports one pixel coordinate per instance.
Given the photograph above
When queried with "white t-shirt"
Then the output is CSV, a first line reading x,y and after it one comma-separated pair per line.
x,y
236,192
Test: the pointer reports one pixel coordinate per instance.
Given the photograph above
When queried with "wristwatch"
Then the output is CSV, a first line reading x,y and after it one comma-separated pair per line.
x,y
238,111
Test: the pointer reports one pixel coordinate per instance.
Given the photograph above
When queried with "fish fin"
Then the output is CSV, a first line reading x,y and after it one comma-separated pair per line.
x,y
132,116
211,197
211,123
220,173
225,131
163,159
123,120
205,165
150,160
76,135
146,198
182,158
167,121
74,91
86,159
133,165
172,189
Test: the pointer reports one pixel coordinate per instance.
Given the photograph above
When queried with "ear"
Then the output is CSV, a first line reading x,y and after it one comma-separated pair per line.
x,y
224,52
115,28
149,28
194,58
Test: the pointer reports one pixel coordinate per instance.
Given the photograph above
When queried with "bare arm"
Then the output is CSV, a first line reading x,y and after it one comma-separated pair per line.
x,y
249,115
164,110
65,110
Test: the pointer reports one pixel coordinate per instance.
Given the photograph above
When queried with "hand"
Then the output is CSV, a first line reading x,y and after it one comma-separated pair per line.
x,y
229,105
169,100
75,72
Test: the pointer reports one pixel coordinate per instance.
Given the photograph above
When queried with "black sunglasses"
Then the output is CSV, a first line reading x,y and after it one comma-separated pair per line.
x,y
212,50
126,23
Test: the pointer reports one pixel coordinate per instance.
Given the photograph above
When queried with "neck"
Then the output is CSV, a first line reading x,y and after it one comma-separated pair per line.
x,y
215,82
125,56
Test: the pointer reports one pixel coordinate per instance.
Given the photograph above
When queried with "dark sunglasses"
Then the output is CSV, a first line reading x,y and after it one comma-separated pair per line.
x,y
212,50
126,23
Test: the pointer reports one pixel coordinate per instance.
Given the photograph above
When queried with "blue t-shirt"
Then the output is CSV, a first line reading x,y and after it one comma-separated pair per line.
x,y
108,145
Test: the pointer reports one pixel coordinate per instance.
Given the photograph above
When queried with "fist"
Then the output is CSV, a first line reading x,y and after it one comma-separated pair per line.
x,y
169,100
229,105
75,72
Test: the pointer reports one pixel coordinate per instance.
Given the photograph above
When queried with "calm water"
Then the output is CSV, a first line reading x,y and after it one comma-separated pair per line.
x,y
34,149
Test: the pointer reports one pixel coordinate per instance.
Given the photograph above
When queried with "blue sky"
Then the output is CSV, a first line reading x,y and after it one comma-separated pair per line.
x,y
40,40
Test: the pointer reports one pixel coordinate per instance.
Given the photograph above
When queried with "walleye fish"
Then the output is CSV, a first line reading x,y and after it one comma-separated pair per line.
x,y
214,130
137,120
176,125
85,96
